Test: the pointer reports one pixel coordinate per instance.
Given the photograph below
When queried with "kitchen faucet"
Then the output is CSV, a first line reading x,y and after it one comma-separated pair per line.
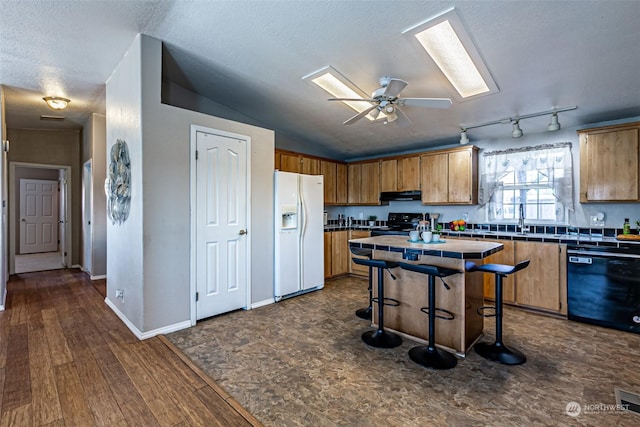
x,y
521,220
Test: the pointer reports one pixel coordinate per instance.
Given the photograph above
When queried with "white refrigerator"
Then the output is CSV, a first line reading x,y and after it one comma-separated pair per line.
x,y
299,233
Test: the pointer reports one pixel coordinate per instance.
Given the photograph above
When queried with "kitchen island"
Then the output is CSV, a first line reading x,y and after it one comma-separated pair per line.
x,y
463,298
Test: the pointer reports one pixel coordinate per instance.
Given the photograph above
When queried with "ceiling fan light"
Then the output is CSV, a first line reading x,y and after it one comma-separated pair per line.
x,y
464,139
517,132
56,102
390,118
553,124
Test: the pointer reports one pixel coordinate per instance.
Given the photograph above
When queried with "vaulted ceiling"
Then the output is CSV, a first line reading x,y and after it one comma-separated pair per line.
x,y
250,56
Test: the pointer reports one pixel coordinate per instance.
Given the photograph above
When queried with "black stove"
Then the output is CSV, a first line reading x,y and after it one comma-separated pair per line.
x,y
399,224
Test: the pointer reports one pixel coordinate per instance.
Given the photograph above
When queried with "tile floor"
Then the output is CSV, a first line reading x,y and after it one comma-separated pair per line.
x,y
301,362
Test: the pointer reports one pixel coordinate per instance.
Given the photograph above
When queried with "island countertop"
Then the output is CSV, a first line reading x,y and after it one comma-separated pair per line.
x,y
451,248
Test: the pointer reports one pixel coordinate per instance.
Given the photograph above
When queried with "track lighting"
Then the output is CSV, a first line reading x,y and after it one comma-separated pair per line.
x,y
464,139
515,121
516,132
553,124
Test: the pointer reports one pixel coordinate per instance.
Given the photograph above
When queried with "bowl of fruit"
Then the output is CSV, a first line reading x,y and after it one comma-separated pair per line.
x,y
457,225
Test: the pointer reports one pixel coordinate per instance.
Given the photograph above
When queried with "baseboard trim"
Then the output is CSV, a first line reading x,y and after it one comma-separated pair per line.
x,y
263,303
3,299
145,335
98,277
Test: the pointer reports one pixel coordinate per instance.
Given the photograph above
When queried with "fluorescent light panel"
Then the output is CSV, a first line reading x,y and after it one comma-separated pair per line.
x,y
334,83
450,47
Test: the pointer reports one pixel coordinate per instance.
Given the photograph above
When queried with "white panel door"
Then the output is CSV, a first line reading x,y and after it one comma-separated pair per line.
x,y
38,216
221,216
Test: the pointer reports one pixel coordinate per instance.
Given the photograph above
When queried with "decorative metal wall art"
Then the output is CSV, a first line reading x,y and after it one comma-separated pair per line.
x,y
117,186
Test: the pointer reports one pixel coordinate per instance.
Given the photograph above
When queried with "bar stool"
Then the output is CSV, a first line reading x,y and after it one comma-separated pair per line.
x,y
497,351
365,313
380,338
429,355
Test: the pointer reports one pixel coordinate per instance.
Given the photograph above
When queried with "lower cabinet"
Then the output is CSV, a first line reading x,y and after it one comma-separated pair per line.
x,y
357,269
542,285
336,253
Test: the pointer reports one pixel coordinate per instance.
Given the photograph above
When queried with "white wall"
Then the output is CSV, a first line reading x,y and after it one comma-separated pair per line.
x,y
148,256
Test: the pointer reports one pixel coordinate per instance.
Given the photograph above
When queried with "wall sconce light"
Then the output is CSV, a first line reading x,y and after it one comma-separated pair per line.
x,y
517,131
56,102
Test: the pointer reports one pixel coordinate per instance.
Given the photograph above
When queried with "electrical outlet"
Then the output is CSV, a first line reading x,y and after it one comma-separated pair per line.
x,y
120,294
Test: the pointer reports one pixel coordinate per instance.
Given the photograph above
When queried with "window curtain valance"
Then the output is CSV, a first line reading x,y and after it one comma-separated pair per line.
x,y
553,160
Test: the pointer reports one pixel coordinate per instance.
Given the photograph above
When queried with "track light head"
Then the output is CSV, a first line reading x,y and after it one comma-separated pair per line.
x,y
516,132
464,139
553,124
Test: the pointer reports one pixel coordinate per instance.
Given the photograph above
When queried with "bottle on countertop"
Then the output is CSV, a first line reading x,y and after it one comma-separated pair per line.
x,y
626,227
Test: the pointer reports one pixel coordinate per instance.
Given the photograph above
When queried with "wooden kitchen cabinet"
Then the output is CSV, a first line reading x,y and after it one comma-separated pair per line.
x,y
357,269
400,174
364,183
340,256
505,256
341,183
449,176
310,166
610,164
542,284
289,162
336,253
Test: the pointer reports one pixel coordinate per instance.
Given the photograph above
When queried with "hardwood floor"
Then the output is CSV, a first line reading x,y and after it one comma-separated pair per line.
x,y
66,359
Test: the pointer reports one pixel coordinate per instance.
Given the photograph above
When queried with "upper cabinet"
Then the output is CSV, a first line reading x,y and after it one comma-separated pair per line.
x,y
400,174
609,164
449,176
364,183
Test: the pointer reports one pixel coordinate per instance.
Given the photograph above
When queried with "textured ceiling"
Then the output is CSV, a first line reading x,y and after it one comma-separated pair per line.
x,y
250,56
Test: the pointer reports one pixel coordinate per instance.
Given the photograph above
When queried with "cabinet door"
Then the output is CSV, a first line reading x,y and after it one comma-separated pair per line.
x,y
354,177
408,173
460,177
538,285
341,184
327,254
310,166
434,175
389,175
340,252
505,256
370,183
612,165
290,163
358,269
328,170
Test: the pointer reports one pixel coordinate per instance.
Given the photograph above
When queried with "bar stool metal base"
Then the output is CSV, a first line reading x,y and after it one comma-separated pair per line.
x,y
364,313
381,339
498,352
432,357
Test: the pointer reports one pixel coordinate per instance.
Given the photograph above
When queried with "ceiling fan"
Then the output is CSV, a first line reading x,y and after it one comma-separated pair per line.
x,y
385,100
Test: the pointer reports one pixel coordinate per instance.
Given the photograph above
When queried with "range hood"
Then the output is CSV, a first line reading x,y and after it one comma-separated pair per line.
x,y
386,196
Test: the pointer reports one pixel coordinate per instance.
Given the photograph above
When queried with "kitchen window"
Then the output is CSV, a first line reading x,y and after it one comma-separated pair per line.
x,y
538,177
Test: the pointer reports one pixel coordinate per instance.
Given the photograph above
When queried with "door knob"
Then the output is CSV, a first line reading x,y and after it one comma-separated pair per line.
x,y
23,220
243,232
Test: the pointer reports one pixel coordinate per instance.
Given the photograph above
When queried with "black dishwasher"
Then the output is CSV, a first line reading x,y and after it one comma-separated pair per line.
x,y
603,286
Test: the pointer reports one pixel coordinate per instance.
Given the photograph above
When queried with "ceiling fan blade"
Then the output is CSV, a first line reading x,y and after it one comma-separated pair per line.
x,y
425,102
352,99
375,112
360,115
394,88
402,120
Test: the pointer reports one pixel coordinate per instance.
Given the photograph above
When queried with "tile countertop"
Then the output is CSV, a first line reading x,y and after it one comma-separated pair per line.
x,y
454,248
569,238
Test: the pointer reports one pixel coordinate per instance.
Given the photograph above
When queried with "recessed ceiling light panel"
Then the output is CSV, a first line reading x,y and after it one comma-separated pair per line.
x,y
338,86
448,44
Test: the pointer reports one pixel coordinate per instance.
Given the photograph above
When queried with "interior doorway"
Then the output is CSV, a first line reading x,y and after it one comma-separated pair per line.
x,y
60,254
